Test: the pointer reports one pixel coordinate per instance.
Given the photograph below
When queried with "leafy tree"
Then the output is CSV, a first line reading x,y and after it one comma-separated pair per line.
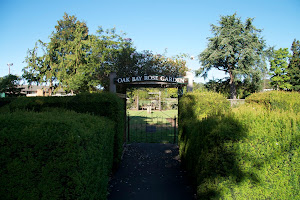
x,y
40,68
244,88
67,53
9,85
294,66
64,59
115,53
278,69
198,87
237,49
77,61
110,53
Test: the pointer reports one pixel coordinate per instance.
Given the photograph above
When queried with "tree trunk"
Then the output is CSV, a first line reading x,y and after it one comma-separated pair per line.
x,y
50,89
137,102
232,86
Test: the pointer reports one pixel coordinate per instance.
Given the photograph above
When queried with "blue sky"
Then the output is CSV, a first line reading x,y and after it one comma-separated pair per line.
x,y
180,26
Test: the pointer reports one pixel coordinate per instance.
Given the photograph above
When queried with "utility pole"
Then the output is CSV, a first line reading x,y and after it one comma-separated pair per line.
x,y
9,65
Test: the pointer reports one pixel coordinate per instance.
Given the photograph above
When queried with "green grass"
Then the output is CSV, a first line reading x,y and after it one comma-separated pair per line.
x,y
156,113
154,127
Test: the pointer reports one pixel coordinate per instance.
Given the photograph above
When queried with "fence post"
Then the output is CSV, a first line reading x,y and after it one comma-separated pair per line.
x,y
128,128
174,130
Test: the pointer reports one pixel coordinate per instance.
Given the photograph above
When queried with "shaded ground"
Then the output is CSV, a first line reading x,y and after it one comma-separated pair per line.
x,y
150,171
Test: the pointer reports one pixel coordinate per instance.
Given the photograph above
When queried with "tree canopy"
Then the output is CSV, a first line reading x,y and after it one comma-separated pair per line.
x,y
278,69
9,85
237,49
294,66
78,61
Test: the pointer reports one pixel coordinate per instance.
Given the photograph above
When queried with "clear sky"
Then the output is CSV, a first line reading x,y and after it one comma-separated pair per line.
x,y
180,26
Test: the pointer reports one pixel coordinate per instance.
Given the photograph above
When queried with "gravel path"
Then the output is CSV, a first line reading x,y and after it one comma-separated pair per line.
x,y
150,171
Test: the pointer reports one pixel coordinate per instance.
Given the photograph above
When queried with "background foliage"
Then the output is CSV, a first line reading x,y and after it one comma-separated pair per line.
x,y
237,49
251,152
294,66
278,69
78,61
9,85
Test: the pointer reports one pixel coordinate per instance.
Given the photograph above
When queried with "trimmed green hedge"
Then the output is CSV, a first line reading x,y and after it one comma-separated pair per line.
x,y
193,107
100,104
202,104
5,101
289,101
247,153
55,155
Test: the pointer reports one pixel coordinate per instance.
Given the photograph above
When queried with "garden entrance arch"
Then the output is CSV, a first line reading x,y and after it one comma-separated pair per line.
x,y
148,128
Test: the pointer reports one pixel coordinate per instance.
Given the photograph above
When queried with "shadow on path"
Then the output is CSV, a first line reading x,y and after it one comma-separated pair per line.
x,y
150,171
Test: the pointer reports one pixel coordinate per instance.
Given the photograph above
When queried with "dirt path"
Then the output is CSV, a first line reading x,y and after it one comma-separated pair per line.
x,y
150,171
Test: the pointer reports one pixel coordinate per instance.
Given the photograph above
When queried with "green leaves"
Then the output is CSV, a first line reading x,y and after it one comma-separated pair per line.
x,y
236,49
55,155
294,66
78,61
278,69
9,85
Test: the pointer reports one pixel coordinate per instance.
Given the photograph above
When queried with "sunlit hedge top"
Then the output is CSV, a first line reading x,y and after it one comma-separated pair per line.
x,y
289,101
202,104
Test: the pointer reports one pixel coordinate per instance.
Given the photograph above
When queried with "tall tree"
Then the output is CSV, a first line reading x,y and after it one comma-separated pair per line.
x,y
40,67
110,53
9,85
63,61
278,69
294,66
77,61
69,49
237,49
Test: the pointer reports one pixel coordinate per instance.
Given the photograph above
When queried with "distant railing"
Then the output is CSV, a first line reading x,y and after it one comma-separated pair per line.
x,y
236,102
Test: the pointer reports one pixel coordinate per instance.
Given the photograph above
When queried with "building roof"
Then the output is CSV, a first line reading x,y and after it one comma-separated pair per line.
x,y
34,88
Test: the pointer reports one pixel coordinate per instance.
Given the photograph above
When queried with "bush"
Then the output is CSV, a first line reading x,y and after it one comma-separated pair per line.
x,y
194,107
202,104
55,155
288,101
100,104
108,105
6,101
247,153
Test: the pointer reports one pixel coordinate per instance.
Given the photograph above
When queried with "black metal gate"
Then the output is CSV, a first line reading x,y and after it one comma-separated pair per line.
x,y
148,129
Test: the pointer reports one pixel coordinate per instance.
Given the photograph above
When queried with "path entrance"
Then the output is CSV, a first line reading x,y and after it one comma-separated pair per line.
x,y
154,127
150,171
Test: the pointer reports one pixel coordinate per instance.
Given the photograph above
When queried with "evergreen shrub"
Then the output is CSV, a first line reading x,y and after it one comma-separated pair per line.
x,y
251,152
55,155
5,101
100,104
108,105
289,101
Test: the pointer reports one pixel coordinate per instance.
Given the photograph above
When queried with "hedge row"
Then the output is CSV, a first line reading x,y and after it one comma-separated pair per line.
x,y
6,101
55,155
288,101
99,104
247,153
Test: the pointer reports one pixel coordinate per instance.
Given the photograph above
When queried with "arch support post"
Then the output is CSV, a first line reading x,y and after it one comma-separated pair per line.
x,y
190,76
112,85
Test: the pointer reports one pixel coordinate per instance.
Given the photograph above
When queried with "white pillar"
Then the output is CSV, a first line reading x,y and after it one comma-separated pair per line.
x,y
190,76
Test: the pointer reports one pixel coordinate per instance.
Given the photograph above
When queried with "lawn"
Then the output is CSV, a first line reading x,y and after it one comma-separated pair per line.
x,y
153,114
154,127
